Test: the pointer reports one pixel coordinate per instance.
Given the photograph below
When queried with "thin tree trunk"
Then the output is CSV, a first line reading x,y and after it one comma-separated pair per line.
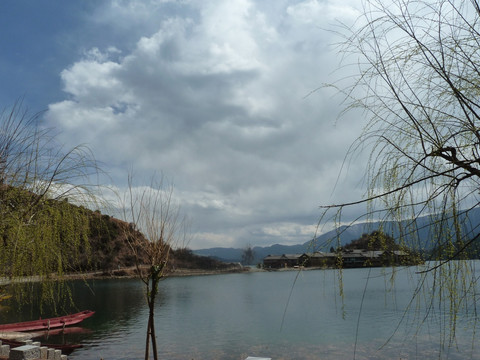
x,y
152,317
154,341
151,336
147,344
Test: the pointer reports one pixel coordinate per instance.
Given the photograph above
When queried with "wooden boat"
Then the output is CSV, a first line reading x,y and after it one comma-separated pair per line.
x,y
66,349
47,324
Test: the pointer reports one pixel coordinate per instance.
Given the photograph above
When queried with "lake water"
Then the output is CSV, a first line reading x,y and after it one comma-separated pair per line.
x,y
282,315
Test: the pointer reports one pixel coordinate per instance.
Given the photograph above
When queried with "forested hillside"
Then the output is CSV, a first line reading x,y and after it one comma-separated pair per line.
x,y
86,240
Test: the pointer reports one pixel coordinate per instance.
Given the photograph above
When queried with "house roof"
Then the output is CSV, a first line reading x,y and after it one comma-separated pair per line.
x,y
284,257
321,254
353,253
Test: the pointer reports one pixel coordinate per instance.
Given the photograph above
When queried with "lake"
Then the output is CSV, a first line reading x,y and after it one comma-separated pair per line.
x,y
282,315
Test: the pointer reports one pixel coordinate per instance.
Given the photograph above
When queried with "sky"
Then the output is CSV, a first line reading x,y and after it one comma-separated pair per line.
x,y
224,98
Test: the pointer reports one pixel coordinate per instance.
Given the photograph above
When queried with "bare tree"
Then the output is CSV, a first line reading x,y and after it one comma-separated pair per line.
x,y
155,226
248,255
418,83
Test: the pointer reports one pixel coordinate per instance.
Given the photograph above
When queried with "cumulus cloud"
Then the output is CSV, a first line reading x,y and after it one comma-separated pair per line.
x,y
213,94
317,12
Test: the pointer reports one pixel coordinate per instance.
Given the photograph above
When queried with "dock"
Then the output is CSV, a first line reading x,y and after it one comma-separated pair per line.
x,y
30,351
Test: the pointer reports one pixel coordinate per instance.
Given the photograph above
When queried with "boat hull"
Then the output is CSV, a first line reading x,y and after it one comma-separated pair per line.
x,y
47,324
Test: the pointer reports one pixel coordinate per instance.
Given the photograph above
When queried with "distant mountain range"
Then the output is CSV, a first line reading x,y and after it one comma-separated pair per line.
x,y
424,230
235,254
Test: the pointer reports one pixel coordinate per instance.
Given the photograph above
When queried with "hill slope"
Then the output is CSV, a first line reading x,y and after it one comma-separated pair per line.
x,y
110,250
41,236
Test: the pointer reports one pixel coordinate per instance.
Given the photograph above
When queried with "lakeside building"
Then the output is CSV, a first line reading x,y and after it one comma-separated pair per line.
x,y
344,259
284,261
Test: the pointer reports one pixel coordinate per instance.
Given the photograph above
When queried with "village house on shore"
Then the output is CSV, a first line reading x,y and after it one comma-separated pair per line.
x,y
351,258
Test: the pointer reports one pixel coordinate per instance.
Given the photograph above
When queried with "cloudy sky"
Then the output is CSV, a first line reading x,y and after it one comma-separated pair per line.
x,y
219,96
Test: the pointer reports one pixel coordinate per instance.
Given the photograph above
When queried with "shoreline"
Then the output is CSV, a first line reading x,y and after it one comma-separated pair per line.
x,y
131,273
183,272
127,273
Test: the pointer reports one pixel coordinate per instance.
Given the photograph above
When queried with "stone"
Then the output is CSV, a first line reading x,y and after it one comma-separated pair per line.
x,y
43,352
4,350
25,352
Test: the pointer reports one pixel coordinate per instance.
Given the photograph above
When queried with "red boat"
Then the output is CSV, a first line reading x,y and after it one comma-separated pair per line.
x,y
47,324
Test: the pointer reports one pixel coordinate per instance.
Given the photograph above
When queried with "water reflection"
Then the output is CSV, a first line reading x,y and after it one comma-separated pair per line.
x,y
237,315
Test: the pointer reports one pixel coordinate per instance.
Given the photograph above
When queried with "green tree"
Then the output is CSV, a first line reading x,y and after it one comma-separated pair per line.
x,y
418,83
41,232
155,226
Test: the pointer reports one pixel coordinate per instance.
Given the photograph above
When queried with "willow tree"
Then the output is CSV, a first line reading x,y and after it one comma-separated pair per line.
x,y
41,232
416,71
155,226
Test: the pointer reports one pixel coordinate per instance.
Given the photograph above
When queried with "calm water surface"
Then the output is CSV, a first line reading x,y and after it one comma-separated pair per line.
x,y
282,315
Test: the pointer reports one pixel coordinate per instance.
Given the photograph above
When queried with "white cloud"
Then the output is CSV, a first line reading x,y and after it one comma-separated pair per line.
x,y
92,82
208,240
317,12
212,94
290,230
